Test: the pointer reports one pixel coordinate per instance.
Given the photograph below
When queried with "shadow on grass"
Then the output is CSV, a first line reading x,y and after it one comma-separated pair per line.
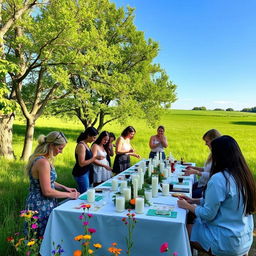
x,y
19,130
245,123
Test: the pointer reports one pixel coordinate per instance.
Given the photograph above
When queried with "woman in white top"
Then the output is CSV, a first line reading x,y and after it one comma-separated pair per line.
x,y
158,143
124,150
102,170
203,172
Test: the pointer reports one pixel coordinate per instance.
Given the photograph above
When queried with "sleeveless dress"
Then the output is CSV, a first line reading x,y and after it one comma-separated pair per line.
x,y
36,201
122,161
100,173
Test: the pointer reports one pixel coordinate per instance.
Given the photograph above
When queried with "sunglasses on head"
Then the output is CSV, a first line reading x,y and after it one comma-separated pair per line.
x,y
60,134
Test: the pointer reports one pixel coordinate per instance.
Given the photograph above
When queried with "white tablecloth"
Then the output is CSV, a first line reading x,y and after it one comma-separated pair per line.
x,y
149,233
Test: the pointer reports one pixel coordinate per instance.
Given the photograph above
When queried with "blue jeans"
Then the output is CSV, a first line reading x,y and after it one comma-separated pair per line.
x,y
83,182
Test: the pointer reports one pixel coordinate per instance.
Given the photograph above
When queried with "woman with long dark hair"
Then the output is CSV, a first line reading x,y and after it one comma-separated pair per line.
x,y
224,223
83,169
102,170
124,150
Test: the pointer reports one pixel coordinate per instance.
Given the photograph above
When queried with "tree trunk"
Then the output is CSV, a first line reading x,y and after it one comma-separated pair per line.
x,y
28,141
6,125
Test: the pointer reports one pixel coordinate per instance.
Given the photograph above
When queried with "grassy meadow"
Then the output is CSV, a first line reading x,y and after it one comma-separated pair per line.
x,y
184,130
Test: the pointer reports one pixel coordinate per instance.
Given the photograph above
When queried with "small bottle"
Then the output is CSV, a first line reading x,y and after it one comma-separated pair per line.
x,y
181,161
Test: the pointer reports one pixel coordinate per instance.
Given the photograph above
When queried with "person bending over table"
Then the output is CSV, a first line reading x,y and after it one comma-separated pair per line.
x,y
124,150
203,172
101,168
83,169
157,143
224,222
43,189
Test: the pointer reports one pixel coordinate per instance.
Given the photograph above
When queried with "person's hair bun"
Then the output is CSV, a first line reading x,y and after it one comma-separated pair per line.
x,y
41,139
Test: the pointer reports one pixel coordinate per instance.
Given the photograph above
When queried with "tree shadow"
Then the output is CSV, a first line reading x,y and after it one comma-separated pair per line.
x,y
244,122
19,130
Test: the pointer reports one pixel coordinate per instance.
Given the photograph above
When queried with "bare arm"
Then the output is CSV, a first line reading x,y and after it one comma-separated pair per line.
x,y
42,167
153,145
163,140
95,149
81,152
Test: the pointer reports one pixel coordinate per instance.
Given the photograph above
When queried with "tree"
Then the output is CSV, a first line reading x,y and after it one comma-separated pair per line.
x,y
41,46
10,13
199,108
229,109
120,79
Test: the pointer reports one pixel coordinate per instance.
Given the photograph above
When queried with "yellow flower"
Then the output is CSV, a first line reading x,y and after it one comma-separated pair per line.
x,y
87,237
32,242
90,251
77,253
97,245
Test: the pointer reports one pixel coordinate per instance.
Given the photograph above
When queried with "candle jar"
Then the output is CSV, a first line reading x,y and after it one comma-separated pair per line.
x,y
165,189
114,184
91,195
120,203
127,193
139,205
148,195
154,185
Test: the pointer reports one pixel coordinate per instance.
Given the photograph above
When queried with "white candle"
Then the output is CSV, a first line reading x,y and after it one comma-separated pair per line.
x,y
148,195
139,205
135,188
91,195
166,173
123,185
150,167
154,186
161,167
114,183
127,193
135,177
165,189
120,202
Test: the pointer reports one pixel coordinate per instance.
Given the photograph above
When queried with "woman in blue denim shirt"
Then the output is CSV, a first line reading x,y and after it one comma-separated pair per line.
x,y
224,223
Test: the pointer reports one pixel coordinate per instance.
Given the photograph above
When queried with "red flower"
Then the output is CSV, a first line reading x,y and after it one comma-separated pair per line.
x,y
89,215
124,219
164,247
9,239
91,230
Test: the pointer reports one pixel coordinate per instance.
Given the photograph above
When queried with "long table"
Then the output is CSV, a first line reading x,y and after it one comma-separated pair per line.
x,y
149,233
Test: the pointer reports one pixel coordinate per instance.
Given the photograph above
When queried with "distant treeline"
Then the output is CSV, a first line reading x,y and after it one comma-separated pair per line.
x,y
228,109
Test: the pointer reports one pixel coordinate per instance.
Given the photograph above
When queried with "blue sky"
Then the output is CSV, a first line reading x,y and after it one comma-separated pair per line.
x,y
207,47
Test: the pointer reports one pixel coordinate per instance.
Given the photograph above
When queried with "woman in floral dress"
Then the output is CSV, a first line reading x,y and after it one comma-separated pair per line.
x,y
44,190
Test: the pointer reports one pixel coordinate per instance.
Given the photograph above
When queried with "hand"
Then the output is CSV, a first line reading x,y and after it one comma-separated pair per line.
x,y
109,168
182,203
131,150
186,198
74,195
137,156
70,189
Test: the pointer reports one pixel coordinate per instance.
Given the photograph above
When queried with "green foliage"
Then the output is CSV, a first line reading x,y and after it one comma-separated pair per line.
x,y
229,109
253,110
199,108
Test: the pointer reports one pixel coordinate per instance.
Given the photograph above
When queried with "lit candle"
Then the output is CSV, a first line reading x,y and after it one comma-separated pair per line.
x,y
139,205
91,195
165,189
120,202
127,193
114,183
154,186
150,168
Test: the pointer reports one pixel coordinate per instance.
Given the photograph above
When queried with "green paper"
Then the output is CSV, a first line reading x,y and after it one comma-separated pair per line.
x,y
183,183
84,197
153,212
106,184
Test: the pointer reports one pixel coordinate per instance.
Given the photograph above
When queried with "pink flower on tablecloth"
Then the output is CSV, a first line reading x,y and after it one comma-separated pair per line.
x,y
92,230
34,226
81,217
89,215
175,254
85,223
35,217
164,247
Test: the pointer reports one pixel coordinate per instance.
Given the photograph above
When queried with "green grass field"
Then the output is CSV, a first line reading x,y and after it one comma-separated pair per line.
x,y
184,130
